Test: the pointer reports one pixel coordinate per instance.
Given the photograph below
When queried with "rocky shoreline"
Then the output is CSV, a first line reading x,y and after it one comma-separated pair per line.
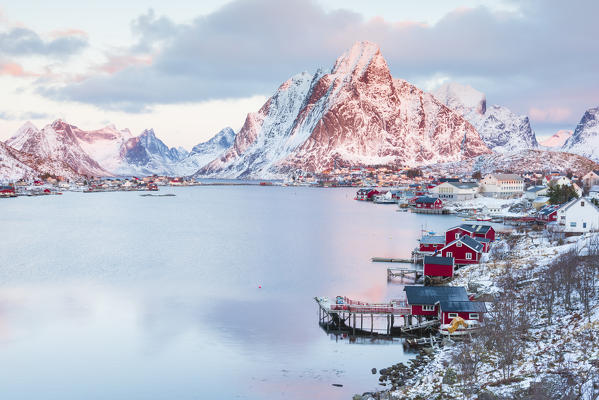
x,y
397,375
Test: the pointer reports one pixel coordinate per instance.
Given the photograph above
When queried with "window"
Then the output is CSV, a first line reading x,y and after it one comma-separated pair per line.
x,y
448,254
468,256
452,315
573,224
582,203
584,224
459,244
457,235
473,316
428,308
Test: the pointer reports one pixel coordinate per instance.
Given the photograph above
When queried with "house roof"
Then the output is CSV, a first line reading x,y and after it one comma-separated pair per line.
x,y
535,189
468,241
430,239
426,200
466,185
463,306
438,260
507,177
434,294
482,240
474,228
548,209
569,204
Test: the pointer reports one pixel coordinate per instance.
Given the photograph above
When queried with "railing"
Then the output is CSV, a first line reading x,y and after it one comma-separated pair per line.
x,y
394,307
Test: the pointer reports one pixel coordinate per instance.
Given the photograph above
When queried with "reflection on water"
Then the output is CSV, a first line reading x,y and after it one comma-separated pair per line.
x,y
208,294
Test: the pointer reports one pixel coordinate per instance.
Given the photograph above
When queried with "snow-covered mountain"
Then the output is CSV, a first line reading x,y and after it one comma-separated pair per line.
x,y
16,165
357,114
57,141
558,139
146,155
585,139
502,130
104,145
201,154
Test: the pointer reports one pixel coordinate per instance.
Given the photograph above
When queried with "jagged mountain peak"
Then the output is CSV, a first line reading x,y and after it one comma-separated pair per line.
x,y
356,114
585,139
501,129
557,139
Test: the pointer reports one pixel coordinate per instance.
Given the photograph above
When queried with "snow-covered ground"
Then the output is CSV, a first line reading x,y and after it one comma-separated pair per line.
x,y
557,357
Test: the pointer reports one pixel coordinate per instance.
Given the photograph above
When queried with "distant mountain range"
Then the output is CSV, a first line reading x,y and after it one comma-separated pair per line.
x,y
354,114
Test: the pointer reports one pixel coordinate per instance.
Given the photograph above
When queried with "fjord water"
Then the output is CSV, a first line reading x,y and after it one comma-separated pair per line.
x,y
205,295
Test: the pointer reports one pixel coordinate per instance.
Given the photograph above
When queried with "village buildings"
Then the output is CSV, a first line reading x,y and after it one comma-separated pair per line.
x,y
502,185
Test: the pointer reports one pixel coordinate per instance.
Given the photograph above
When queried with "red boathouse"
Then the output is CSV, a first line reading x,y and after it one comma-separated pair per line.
x,y
464,250
438,266
472,230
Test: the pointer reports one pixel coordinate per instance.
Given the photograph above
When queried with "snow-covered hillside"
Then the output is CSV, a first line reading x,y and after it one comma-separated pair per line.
x,y
585,139
519,162
357,114
502,130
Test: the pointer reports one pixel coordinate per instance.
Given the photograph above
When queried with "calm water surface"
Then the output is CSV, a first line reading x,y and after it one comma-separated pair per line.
x,y
118,296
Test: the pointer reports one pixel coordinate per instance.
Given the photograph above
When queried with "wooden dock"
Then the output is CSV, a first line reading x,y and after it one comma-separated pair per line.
x,y
358,316
438,211
401,272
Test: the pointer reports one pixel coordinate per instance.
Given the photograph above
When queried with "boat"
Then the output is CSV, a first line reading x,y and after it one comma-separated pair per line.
x,y
459,327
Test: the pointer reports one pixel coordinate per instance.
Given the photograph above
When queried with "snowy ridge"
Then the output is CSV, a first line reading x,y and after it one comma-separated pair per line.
x,y
585,139
356,114
502,130
15,165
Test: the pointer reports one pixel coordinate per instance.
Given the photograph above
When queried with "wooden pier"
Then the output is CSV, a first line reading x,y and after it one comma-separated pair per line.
x,y
438,211
358,317
401,272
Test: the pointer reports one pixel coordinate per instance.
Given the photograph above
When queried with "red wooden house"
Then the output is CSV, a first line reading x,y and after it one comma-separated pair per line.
x,y
472,230
428,202
7,191
464,250
424,300
366,194
485,242
431,244
467,310
438,266
548,213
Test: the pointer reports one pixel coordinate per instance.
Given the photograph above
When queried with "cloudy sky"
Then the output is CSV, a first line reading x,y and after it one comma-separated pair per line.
x,y
189,68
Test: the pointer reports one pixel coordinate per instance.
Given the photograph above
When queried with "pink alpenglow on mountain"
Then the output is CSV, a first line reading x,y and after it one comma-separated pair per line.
x,y
356,114
58,142
557,139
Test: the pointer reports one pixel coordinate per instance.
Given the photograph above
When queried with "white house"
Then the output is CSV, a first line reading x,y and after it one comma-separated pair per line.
x,y
578,215
591,179
502,185
455,190
565,181
594,192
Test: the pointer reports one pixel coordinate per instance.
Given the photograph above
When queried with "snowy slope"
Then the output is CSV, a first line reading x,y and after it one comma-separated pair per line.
x,y
355,114
585,139
15,165
59,142
522,161
502,130
558,139
104,145
203,153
